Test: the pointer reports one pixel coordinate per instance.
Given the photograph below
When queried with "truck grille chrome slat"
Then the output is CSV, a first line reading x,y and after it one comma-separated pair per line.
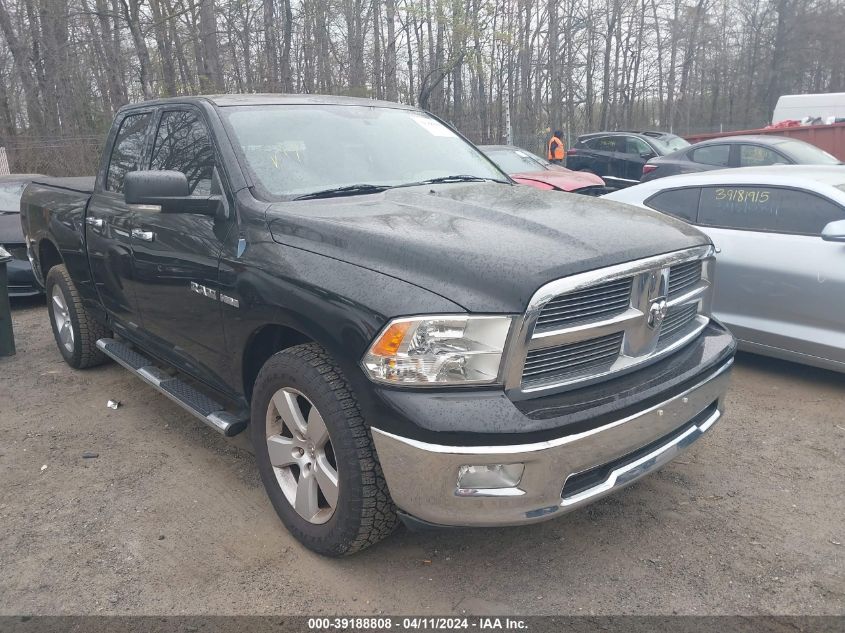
x,y
575,363
590,303
538,355
602,351
677,319
597,325
565,354
682,276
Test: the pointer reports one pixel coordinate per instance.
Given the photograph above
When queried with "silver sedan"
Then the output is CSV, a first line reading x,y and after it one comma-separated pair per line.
x,y
780,231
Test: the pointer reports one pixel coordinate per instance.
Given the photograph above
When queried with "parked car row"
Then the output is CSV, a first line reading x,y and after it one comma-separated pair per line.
x,y
619,157
737,151
624,158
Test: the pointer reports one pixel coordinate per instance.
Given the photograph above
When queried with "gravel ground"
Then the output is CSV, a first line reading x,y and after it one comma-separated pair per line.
x,y
171,518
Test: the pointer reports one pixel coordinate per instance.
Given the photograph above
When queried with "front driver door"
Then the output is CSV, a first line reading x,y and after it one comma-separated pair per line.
x,y
176,255
778,284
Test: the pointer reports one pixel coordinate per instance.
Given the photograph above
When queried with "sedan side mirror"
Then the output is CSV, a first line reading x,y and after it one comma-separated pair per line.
x,y
834,231
167,190
646,155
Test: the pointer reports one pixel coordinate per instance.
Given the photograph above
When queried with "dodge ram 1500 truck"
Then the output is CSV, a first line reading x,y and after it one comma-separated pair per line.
x,y
403,331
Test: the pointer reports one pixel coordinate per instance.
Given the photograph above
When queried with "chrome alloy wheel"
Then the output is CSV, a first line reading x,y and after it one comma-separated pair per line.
x,y
62,316
301,454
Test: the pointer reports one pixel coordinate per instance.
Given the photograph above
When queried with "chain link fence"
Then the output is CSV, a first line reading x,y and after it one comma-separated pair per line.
x,y
52,156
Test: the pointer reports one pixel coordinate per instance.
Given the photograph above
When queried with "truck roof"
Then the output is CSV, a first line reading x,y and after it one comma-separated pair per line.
x,y
229,100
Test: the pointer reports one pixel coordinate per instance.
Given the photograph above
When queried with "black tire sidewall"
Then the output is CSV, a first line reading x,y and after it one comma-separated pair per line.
x,y
56,278
287,370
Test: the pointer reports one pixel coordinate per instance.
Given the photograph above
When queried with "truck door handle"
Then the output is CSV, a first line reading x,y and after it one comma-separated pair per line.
x,y
147,236
97,223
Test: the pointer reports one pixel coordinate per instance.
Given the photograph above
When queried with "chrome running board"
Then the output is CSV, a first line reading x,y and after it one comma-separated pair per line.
x,y
183,394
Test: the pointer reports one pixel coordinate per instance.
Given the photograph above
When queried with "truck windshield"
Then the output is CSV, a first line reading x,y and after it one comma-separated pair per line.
x,y
296,150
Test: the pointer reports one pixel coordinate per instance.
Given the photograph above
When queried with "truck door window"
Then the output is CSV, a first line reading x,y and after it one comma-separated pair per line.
x,y
770,209
182,143
712,155
128,147
681,203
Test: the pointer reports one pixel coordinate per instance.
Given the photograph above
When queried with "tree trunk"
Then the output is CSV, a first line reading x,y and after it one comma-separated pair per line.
x,y
211,72
391,91
271,47
130,12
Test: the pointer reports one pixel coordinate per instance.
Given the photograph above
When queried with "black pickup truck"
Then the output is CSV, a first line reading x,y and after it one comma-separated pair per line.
x,y
402,330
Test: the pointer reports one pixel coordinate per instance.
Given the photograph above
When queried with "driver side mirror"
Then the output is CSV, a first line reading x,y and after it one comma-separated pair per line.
x,y
834,231
647,155
167,190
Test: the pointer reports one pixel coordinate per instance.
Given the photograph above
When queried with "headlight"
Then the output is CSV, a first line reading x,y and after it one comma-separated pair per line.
x,y
438,350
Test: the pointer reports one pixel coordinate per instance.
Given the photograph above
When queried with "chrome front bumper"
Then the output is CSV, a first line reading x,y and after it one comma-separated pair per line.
x,y
423,478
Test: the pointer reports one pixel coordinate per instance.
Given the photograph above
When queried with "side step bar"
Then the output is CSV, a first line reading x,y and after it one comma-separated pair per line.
x,y
183,394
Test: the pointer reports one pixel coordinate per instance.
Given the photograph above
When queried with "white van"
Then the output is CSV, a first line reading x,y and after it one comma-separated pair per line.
x,y
824,106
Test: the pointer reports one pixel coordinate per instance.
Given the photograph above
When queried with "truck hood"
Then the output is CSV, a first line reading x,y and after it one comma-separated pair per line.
x,y
487,247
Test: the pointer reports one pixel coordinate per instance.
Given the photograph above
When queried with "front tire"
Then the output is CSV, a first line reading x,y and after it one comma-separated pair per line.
x,y
76,331
316,456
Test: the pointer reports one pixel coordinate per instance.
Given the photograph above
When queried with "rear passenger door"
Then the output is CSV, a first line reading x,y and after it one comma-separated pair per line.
x,y
635,153
176,255
710,157
778,283
601,152
108,222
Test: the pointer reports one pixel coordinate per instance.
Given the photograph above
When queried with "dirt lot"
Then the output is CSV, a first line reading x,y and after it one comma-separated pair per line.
x,y
172,519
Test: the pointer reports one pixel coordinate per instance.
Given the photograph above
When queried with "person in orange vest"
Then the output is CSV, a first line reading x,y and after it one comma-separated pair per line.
x,y
555,152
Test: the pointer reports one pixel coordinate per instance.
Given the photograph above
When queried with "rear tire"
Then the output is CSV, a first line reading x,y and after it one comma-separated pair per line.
x,y
323,478
76,331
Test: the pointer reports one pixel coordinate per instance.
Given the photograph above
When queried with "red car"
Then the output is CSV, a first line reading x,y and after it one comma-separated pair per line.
x,y
529,169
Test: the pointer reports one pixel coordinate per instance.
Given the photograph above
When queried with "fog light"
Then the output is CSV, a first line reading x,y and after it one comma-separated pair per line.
x,y
490,476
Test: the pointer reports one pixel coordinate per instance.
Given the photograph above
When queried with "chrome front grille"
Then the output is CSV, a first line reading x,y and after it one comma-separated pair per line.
x,y
683,276
595,325
678,318
598,302
554,363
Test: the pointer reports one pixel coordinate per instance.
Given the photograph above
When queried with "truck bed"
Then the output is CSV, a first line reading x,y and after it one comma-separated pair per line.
x,y
53,220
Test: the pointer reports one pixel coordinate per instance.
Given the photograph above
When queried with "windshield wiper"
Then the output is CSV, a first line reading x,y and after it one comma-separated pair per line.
x,y
348,190
457,178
